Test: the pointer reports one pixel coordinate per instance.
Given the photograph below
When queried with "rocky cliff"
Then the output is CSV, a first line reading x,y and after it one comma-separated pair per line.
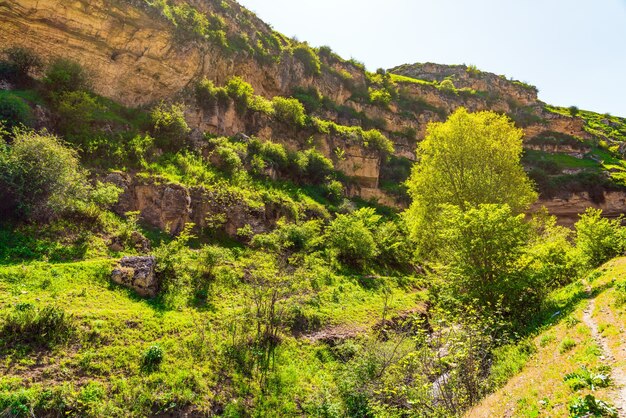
x,y
139,53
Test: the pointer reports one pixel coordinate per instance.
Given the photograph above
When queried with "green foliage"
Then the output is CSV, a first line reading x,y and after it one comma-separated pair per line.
x,y
556,261
334,191
289,110
380,97
191,23
586,378
105,195
175,264
152,358
471,159
473,70
352,237
169,126
566,345
599,239
447,85
309,58
272,154
509,360
40,177
22,62
620,297
239,90
36,327
314,166
77,111
573,111
207,95
14,111
371,138
483,252
590,406
65,75
229,160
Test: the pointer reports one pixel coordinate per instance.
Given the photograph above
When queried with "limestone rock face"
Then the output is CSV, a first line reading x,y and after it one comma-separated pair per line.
x,y
558,123
170,206
138,274
466,78
134,56
568,208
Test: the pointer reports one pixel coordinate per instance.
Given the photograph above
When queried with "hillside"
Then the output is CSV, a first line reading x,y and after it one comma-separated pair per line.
x,y
586,334
139,53
200,216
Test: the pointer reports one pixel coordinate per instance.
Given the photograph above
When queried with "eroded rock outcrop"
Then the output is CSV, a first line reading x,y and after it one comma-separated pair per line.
x,y
137,273
170,206
567,208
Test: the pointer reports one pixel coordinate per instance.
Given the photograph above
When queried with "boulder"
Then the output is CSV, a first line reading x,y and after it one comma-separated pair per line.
x,y
137,273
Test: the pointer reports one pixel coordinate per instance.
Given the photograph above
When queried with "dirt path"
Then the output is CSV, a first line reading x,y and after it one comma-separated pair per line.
x,y
617,374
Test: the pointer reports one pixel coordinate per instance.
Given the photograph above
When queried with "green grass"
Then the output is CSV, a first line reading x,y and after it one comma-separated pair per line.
x,y
561,160
31,96
103,366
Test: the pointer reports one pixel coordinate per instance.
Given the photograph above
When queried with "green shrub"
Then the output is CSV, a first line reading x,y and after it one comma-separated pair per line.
x,y
207,95
39,328
599,239
77,111
334,191
484,251
566,345
310,97
589,406
585,378
309,58
556,260
573,111
240,91
380,97
270,153
138,147
289,111
229,160
23,61
14,111
40,177
152,358
620,294
65,75
447,85
370,139
351,236
313,166
169,126
261,104
105,195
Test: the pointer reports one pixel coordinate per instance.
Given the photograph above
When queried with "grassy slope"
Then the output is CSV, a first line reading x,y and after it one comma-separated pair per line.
x,y
99,372
539,389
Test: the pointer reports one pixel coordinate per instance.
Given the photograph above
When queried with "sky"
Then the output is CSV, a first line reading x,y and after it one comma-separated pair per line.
x,y
574,51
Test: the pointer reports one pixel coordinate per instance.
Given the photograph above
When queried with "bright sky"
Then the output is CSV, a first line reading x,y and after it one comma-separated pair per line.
x,y
574,51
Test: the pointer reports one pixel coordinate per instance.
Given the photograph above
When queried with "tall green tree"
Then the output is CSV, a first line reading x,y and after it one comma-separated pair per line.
x,y
471,159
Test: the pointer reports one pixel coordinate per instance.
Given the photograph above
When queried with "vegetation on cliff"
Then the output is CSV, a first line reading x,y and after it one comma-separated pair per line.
x,y
278,291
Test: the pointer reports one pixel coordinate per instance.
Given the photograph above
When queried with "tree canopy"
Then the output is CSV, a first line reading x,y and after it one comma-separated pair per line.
x,y
471,159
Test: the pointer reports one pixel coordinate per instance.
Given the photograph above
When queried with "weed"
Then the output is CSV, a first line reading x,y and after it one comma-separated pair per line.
x,y
585,378
152,358
566,345
589,406
36,327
